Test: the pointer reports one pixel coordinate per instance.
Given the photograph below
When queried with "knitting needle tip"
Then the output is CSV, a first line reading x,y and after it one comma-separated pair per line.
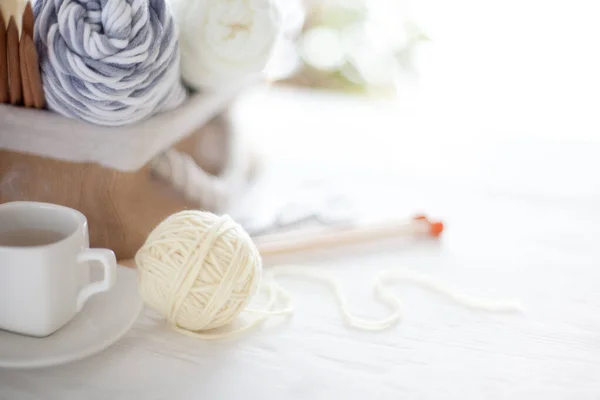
x,y
434,228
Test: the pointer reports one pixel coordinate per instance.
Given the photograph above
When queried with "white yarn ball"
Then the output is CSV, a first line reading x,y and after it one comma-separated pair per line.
x,y
225,40
198,270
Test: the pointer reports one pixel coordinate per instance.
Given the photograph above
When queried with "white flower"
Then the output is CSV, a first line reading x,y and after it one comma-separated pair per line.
x,y
224,41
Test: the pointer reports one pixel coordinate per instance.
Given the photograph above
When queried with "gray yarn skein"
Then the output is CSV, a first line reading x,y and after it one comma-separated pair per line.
x,y
108,62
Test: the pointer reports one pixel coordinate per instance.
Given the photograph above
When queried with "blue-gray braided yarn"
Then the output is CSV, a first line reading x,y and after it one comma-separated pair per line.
x,y
108,62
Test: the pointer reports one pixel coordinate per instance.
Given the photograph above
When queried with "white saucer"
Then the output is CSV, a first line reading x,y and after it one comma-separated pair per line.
x,y
104,320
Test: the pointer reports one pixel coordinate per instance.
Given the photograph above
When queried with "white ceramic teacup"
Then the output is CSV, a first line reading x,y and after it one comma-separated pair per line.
x,y
44,267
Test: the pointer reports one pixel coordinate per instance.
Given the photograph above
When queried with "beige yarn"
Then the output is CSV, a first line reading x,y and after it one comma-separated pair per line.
x,y
200,271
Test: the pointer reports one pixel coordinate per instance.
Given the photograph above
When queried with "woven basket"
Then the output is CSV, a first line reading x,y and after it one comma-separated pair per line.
x,y
107,173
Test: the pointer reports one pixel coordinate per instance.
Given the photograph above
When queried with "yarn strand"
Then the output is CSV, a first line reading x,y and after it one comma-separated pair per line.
x,y
276,293
390,300
442,288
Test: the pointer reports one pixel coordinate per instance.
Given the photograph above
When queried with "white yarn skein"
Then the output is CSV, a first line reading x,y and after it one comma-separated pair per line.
x,y
225,41
200,271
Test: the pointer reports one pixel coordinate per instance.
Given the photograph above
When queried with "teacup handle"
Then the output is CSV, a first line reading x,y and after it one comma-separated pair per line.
x,y
109,262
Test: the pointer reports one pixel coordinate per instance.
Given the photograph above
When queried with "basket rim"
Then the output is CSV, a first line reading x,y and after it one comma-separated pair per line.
x,y
126,148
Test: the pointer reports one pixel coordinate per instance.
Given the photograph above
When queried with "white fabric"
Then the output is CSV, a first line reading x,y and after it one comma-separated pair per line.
x,y
126,148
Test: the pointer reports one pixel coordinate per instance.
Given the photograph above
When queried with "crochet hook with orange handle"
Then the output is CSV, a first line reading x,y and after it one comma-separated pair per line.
x,y
419,225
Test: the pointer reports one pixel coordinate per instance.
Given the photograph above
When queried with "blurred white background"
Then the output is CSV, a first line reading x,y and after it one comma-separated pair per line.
x,y
521,67
501,99
528,67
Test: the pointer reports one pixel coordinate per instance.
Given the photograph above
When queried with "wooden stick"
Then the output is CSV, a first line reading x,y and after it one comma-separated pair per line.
x,y
26,31
33,73
27,21
4,92
276,245
14,66
272,245
25,83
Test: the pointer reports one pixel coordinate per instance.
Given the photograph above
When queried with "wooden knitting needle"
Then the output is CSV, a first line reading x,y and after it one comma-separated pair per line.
x,y
418,226
33,74
275,244
4,93
32,65
26,86
26,31
27,21
14,66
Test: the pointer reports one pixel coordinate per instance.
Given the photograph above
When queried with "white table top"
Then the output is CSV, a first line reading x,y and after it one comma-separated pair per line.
x,y
522,222
519,190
